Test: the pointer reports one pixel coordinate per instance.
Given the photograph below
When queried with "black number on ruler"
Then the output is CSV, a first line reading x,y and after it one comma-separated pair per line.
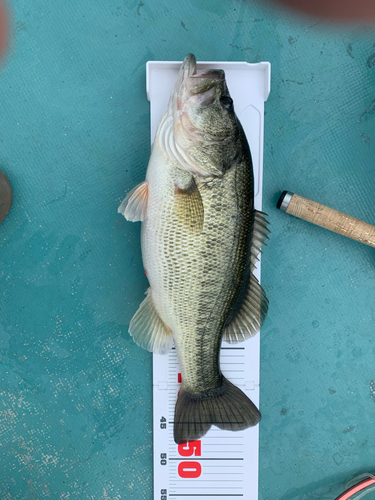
x,y
163,495
163,458
163,423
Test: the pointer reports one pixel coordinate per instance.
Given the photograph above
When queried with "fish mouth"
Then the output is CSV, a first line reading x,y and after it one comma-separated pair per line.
x,y
197,82
195,88
188,67
192,90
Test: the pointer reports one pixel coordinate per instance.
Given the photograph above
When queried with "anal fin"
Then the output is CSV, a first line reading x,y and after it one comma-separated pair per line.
x,y
134,206
148,329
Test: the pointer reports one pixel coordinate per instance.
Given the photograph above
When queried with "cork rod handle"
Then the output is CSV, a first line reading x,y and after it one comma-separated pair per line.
x,y
328,218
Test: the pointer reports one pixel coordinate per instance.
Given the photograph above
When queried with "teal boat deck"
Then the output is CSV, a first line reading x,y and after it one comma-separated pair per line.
x,y
75,391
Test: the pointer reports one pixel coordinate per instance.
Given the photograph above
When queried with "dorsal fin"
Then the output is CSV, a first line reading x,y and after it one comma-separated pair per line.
x,y
251,312
258,237
249,316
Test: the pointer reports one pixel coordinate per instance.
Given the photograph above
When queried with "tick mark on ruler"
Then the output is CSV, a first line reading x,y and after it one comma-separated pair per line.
x,y
200,458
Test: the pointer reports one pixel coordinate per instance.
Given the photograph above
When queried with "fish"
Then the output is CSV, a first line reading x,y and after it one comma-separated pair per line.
x,y
200,240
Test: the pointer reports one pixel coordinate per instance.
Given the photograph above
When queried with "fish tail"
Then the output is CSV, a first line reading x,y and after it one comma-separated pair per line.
x,y
226,406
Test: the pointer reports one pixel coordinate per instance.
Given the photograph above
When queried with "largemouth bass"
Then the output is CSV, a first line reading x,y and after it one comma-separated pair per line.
x,y
200,240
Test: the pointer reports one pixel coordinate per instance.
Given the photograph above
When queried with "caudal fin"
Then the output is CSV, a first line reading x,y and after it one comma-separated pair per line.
x,y
226,406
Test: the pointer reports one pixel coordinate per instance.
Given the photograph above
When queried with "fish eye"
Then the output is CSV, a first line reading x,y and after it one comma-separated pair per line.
x,y
226,101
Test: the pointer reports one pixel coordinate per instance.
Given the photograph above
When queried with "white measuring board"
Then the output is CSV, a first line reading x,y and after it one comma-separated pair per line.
x,y
222,464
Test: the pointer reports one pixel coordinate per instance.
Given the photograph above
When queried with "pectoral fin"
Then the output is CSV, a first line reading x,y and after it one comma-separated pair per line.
x,y
188,207
249,316
134,206
148,329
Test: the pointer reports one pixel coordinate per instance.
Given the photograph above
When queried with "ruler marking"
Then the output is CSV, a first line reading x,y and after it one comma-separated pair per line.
x,y
231,422
197,459
206,494
223,444
224,437
210,487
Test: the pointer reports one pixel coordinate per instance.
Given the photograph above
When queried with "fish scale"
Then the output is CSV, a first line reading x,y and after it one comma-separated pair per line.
x,y
202,270
215,298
